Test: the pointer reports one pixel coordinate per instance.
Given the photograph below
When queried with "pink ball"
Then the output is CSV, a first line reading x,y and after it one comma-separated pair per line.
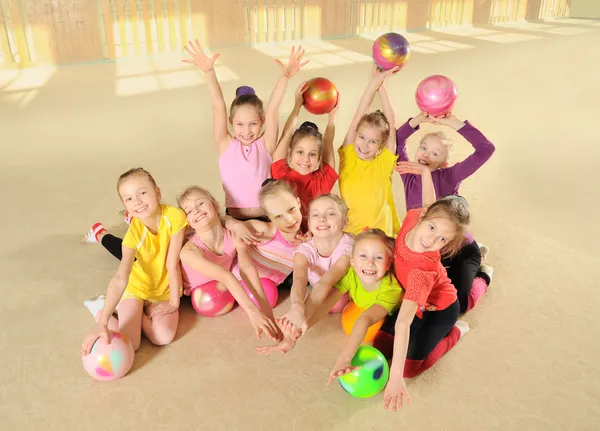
x,y
436,95
339,306
212,299
109,361
270,290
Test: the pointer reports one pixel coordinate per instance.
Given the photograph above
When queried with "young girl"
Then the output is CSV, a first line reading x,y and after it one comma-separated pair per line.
x,y
372,287
304,157
465,268
147,285
367,162
208,256
273,253
321,261
426,326
245,157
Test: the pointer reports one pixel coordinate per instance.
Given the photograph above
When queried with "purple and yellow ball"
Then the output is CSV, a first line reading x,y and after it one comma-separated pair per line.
x,y
391,50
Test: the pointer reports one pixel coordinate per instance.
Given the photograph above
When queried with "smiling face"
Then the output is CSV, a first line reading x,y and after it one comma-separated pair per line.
x,y
325,218
432,152
433,234
200,210
305,155
371,260
368,141
283,209
140,196
246,123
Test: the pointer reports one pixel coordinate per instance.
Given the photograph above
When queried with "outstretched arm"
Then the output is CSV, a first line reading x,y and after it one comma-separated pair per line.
x,y
289,128
396,387
329,137
193,257
201,61
288,70
482,146
371,316
365,102
390,114
116,287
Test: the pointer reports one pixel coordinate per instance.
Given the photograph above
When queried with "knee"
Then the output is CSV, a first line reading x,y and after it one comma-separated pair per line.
x,y
163,339
412,368
164,336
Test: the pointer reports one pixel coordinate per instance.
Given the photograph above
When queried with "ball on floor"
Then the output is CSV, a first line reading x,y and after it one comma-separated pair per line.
x,y
371,377
109,361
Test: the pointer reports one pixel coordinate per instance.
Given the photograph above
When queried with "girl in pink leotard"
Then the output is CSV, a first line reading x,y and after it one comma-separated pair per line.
x,y
208,255
245,156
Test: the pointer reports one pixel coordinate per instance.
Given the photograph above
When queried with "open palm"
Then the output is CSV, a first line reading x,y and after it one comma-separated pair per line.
x,y
294,63
199,58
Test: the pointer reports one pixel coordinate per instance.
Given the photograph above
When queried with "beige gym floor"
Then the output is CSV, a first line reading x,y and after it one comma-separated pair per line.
x,y
530,361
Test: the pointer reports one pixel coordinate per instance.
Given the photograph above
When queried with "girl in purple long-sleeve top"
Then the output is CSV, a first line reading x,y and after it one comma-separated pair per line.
x,y
465,269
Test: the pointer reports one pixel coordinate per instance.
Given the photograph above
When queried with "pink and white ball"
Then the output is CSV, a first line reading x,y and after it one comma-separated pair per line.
x,y
436,95
270,289
109,361
212,299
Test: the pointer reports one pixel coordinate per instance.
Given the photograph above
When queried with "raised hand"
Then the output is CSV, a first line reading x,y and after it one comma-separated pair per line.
x,y
199,58
294,63
299,94
448,120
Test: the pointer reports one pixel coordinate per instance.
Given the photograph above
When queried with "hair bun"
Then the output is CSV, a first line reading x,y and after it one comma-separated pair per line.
x,y
268,181
309,127
245,90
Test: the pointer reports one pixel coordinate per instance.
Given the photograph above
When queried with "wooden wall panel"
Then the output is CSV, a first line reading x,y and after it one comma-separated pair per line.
x,y
67,31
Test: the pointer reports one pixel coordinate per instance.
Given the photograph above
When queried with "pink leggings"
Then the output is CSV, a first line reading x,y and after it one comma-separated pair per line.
x,y
132,321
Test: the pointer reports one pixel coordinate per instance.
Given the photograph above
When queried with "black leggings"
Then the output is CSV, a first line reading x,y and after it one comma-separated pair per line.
x,y
427,332
113,244
462,269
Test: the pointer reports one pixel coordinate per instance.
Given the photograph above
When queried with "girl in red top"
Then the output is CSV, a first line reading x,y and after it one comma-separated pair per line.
x,y
304,157
426,326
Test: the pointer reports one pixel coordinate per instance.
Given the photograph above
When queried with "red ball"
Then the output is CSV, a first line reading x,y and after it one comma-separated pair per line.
x,y
321,96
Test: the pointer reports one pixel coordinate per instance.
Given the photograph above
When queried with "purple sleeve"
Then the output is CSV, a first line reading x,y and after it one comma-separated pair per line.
x,y
402,134
483,151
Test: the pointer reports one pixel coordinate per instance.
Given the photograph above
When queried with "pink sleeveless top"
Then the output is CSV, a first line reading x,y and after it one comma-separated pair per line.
x,y
243,169
273,260
192,278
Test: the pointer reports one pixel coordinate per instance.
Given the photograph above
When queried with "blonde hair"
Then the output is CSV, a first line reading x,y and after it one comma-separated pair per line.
x,y
380,235
208,195
340,203
379,120
135,171
197,189
455,209
444,139
271,187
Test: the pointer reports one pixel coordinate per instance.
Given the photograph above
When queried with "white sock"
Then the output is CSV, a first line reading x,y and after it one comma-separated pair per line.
x,y
463,327
95,305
